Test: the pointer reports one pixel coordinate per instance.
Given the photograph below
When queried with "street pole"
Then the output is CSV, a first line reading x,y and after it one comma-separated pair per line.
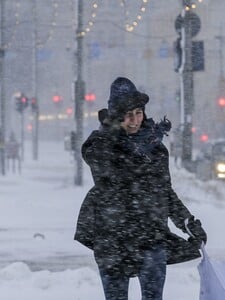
x,y
79,96
2,92
22,134
221,40
221,85
187,92
35,129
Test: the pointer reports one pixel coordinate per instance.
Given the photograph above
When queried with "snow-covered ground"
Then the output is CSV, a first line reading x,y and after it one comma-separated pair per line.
x,y
38,210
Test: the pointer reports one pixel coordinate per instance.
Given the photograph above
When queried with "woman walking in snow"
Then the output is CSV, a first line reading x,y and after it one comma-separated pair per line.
x,y
124,217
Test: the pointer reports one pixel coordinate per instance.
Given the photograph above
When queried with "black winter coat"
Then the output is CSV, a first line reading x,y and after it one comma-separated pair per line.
x,y
127,210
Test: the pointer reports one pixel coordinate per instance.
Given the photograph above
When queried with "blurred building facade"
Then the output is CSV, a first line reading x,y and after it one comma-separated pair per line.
x,y
145,55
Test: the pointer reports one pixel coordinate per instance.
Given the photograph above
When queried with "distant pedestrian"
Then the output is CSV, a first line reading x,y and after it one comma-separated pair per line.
x,y
124,217
12,153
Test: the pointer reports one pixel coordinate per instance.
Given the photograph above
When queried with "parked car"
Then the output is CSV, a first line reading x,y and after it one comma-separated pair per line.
x,y
210,162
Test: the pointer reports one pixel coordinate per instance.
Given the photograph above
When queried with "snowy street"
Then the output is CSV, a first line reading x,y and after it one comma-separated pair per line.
x,y
39,210
39,258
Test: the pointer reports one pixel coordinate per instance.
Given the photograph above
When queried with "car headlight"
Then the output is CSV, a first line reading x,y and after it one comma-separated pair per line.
x,y
220,167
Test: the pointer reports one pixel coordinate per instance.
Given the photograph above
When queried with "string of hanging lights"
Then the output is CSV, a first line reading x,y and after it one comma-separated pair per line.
x,y
8,44
193,5
130,25
91,21
41,42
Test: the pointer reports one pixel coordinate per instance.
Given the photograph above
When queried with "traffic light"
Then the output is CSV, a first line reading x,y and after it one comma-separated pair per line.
x,y
193,129
69,111
178,54
34,105
191,22
57,99
221,101
198,56
21,103
204,138
90,97
18,104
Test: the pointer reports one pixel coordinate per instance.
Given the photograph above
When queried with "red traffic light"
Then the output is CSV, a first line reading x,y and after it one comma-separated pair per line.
x,y
90,97
24,100
21,103
193,129
29,127
221,101
204,138
56,98
34,105
69,111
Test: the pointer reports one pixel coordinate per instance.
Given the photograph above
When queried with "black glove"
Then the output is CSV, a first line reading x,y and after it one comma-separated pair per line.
x,y
198,233
108,125
103,115
163,127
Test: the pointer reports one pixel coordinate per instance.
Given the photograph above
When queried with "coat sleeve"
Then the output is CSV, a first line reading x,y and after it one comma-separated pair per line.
x,y
109,161
178,212
86,222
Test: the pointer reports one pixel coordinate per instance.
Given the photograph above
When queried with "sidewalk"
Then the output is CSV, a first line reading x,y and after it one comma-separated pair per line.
x,y
38,212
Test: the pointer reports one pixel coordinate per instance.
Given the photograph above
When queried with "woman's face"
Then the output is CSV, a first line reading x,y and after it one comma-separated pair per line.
x,y
133,120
